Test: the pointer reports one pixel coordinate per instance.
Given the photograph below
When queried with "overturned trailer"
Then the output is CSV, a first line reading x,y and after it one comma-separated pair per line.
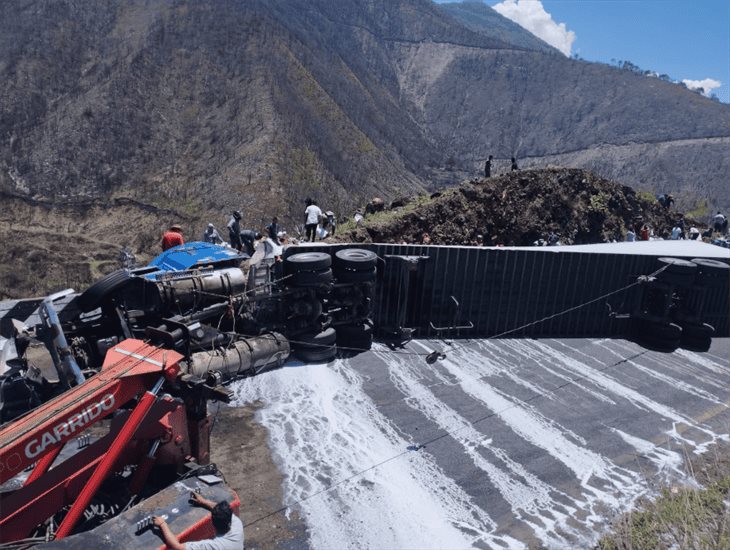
x,y
143,351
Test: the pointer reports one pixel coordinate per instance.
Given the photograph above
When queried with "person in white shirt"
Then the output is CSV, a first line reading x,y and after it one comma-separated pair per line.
x,y
312,215
228,528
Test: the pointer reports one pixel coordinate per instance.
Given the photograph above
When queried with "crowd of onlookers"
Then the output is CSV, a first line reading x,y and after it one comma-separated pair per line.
x,y
319,225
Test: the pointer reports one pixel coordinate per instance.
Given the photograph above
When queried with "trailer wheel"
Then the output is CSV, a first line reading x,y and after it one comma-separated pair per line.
x,y
308,261
677,265
697,337
697,344
693,331
92,297
356,259
351,276
657,335
678,272
311,278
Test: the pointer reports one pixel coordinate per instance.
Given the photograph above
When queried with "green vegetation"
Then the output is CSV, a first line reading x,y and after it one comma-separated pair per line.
x,y
386,216
686,518
599,203
646,196
701,210
679,518
364,145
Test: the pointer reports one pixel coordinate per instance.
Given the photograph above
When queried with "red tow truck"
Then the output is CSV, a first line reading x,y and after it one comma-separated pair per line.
x,y
155,444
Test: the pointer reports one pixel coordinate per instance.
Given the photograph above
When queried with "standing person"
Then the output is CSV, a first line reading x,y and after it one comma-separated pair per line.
x,y
488,167
330,222
514,164
358,217
680,224
312,214
172,237
718,222
211,235
228,528
248,238
273,230
234,230
644,232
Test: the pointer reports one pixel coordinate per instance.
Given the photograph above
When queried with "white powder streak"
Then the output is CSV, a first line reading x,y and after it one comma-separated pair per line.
x,y
527,495
638,400
663,459
324,428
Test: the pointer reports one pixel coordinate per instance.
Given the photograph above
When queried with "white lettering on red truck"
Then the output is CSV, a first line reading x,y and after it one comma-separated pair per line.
x,y
74,424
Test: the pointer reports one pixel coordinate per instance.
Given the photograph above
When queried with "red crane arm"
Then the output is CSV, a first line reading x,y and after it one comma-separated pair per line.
x,y
130,368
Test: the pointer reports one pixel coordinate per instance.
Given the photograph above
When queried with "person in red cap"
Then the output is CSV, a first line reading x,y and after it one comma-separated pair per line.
x,y
172,237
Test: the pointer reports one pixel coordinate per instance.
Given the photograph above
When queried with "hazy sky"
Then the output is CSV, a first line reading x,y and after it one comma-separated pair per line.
x,y
687,39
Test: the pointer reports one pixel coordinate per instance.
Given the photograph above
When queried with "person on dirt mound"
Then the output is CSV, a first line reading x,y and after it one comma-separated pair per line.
x,y
719,222
172,237
248,239
514,164
312,215
488,167
211,235
273,230
234,230
680,224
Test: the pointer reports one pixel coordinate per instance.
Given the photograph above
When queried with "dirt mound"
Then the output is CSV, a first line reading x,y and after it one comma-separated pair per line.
x,y
518,209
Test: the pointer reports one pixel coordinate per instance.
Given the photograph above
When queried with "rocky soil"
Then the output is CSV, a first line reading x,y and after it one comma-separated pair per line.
x,y
518,208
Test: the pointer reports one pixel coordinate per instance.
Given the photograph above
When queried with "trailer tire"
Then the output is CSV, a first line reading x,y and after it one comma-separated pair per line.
x,y
677,272
356,259
312,278
696,337
696,344
677,265
92,297
351,276
657,335
308,261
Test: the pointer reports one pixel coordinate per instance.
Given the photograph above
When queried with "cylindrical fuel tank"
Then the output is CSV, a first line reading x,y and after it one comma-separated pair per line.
x,y
244,357
199,289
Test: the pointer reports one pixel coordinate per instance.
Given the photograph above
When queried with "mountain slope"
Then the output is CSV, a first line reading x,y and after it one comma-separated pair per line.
x,y
480,17
199,107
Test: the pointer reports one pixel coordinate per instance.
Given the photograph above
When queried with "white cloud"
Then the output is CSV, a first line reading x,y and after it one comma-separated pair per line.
x,y
531,15
708,84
